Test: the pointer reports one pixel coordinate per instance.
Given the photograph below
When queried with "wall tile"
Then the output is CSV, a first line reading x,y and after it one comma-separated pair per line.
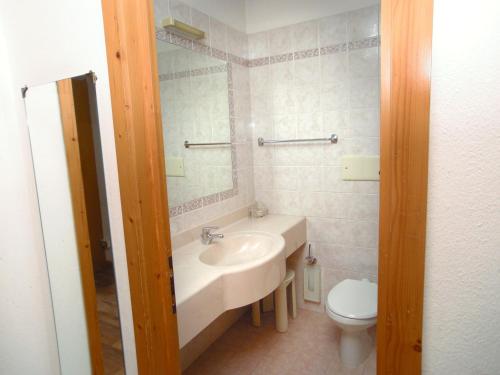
x,y
364,93
363,23
258,45
310,125
310,179
365,122
307,98
364,63
304,35
282,74
336,122
280,41
334,67
333,30
307,71
334,96
313,96
218,35
237,42
180,11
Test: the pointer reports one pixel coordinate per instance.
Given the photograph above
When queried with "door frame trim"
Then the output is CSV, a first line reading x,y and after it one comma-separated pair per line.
x,y
406,41
405,60
133,77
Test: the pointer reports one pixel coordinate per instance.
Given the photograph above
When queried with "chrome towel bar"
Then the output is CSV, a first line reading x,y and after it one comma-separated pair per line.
x,y
187,144
332,139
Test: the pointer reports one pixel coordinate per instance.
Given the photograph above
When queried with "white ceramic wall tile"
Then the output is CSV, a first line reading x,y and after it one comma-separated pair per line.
x,y
282,74
314,95
364,63
333,30
310,125
365,122
364,23
307,98
285,178
364,93
335,96
334,68
304,36
307,71
218,35
280,41
336,122
258,45
180,11
237,43
311,179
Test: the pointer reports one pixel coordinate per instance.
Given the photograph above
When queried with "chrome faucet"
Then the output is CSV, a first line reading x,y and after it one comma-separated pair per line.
x,y
207,236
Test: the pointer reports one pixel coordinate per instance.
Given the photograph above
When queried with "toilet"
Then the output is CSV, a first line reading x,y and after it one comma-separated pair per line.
x,y
352,304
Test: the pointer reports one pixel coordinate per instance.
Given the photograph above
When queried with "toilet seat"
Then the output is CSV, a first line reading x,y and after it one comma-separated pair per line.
x,y
353,299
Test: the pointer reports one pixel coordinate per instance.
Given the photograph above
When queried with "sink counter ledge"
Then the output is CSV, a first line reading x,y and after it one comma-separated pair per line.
x,y
204,292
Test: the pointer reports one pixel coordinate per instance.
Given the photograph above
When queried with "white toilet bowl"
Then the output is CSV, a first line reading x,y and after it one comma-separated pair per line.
x,y
352,304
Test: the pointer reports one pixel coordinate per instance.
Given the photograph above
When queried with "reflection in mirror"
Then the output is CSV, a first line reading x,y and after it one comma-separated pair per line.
x,y
195,98
67,161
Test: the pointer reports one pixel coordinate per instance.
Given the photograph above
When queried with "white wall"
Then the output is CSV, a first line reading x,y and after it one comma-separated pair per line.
x,y
462,281
56,212
27,335
46,41
270,14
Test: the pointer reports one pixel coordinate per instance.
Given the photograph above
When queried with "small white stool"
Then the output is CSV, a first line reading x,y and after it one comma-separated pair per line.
x,y
280,302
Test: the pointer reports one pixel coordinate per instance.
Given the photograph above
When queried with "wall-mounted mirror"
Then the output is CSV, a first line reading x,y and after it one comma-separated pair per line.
x,y
67,161
196,101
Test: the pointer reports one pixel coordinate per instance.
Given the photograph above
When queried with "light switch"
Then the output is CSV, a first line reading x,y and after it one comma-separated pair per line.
x,y
175,167
361,168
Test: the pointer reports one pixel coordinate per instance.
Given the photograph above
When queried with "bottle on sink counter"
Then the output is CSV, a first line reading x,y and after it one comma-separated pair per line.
x,y
258,210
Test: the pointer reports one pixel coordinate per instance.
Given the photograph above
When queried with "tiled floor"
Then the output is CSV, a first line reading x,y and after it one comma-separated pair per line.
x,y
109,322
309,347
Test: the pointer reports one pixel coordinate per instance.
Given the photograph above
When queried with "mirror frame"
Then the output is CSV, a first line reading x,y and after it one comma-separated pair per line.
x,y
177,40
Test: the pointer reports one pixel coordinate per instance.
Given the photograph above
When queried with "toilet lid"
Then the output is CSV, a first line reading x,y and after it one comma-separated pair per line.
x,y
354,299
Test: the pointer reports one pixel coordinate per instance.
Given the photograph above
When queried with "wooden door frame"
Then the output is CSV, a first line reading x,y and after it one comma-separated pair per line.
x,y
406,36
69,121
133,76
405,57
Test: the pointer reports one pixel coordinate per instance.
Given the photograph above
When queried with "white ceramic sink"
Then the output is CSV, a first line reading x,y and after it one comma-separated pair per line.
x,y
251,265
241,248
239,269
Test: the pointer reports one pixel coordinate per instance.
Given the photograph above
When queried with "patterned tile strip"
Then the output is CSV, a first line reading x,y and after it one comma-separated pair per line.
x,y
166,36
194,72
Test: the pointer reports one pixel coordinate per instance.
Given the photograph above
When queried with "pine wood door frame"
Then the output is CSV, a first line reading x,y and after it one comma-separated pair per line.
x,y
69,120
405,60
135,97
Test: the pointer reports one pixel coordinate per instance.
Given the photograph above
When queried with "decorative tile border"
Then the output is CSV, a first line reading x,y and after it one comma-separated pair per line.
x,y
166,36
194,72
365,43
336,48
229,59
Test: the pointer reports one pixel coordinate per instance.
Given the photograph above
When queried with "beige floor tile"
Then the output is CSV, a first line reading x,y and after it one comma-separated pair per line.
x,y
310,346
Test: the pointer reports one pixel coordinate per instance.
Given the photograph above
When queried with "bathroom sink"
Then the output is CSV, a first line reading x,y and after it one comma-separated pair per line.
x,y
242,248
251,265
